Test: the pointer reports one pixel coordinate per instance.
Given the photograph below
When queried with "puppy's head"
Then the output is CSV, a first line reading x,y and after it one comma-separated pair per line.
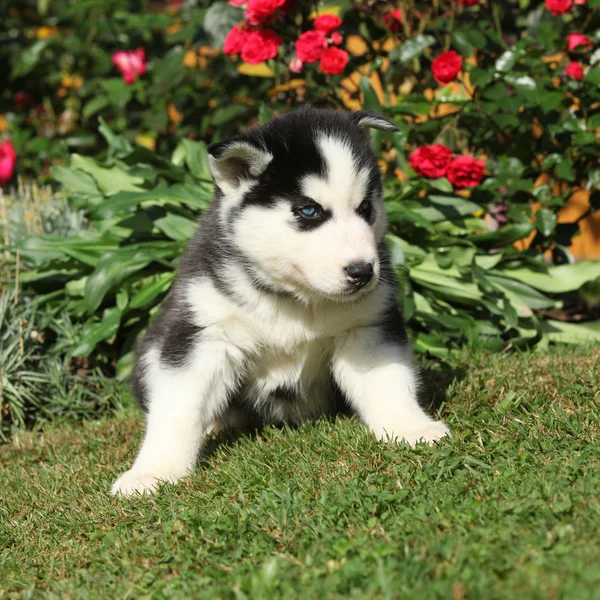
x,y
301,198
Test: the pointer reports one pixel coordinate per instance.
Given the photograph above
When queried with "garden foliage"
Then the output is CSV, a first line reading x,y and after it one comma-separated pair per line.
x,y
498,107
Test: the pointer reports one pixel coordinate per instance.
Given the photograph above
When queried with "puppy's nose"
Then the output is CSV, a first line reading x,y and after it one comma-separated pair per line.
x,y
359,273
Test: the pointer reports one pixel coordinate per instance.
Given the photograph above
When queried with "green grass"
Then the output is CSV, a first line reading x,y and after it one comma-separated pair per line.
x,y
509,508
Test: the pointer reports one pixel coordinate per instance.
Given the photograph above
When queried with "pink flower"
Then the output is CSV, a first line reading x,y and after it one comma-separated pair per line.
x,y
393,19
334,61
574,70
469,2
327,23
575,40
310,46
558,7
260,46
237,3
235,40
260,11
465,171
431,161
446,66
581,2
336,38
296,65
131,63
8,159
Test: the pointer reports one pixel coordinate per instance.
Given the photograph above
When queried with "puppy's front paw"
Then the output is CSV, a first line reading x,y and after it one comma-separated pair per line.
x,y
429,433
134,482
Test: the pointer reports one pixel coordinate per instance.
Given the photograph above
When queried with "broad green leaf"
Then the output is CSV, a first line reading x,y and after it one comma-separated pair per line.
x,y
508,60
93,333
545,221
196,158
29,58
218,21
504,236
176,227
118,143
152,287
95,105
412,48
571,333
110,181
371,101
76,180
528,295
559,279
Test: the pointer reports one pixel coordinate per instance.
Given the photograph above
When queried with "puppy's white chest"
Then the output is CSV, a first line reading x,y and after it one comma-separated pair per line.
x,y
291,386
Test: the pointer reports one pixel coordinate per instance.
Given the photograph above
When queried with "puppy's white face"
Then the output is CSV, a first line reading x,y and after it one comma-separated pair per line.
x,y
311,229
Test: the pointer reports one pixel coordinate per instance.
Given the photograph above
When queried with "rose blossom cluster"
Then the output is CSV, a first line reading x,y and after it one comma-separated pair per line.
x,y
256,43
131,63
319,44
436,161
577,42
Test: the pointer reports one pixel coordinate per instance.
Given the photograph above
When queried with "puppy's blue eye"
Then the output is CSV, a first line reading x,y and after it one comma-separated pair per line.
x,y
365,207
309,211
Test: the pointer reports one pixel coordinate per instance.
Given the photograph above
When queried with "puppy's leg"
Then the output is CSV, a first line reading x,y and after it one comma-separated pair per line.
x,y
182,403
378,379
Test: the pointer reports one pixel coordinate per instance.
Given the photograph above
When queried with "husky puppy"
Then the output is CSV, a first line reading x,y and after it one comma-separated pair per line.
x,y
285,299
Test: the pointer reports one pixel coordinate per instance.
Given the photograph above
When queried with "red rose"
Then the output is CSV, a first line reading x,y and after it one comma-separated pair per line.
x,y
259,11
558,7
310,46
22,100
469,2
446,66
235,40
333,61
260,46
8,158
327,23
581,2
237,3
131,63
575,40
337,38
393,19
431,161
574,70
465,171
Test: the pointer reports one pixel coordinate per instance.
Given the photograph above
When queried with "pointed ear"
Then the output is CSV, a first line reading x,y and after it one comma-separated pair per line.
x,y
369,119
236,160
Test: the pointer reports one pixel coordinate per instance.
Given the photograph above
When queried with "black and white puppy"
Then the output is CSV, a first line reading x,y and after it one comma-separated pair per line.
x,y
285,299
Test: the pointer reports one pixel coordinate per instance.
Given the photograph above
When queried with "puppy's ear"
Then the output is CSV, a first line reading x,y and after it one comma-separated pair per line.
x,y
369,119
236,160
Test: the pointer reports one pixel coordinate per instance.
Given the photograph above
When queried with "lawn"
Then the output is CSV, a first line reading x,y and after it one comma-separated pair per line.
x,y
509,508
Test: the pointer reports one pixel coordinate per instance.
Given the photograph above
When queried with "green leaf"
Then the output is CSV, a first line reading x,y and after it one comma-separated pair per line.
x,y
94,105
110,181
118,143
412,48
593,76
507,60
441,184
503,237
76,181
545,221
528,295
94,333
219,19
371,100
521,81
559,279
29,58
176,227
152,287
571,333
115,267
196,158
